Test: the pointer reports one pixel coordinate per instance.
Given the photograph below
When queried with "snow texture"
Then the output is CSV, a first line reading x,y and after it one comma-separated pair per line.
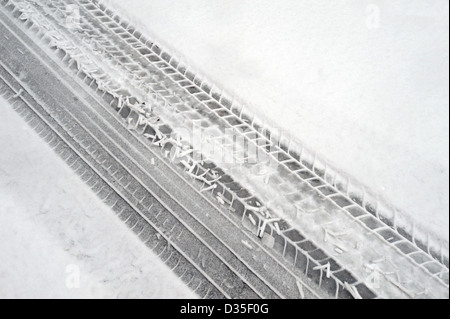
x,y
363,84
55,230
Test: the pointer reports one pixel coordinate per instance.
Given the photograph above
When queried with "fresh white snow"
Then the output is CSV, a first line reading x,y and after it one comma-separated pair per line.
x,y
57,239
363,84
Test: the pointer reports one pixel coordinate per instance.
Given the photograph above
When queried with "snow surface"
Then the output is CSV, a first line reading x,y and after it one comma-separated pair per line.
x,y
55,230
363,84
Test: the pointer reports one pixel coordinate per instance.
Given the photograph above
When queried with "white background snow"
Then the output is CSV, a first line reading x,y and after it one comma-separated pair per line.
x,y
362,83
53,228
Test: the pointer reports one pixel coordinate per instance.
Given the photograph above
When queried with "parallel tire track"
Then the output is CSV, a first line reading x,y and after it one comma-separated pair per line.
x,y
185,243
295,255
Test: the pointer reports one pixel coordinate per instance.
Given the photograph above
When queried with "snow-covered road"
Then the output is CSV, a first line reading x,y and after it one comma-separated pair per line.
x,y
54,229
364,85
344,122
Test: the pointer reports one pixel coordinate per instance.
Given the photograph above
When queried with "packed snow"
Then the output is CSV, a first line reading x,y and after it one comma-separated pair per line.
x,y
58,240
362,84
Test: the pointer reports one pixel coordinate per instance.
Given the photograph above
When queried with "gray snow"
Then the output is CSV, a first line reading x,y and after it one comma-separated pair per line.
x,y
55,231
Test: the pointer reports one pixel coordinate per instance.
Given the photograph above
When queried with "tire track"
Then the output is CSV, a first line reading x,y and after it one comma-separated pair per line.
x,y
318,251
